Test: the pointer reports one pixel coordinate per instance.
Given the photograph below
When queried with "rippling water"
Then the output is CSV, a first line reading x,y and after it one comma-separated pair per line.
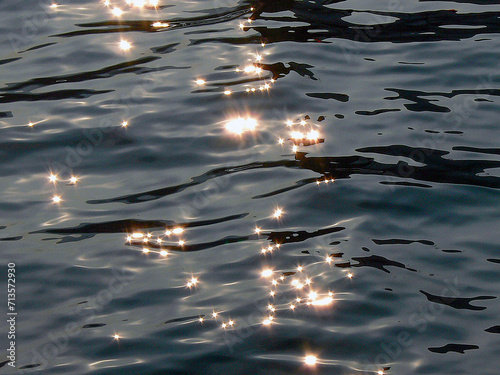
x,y
239,186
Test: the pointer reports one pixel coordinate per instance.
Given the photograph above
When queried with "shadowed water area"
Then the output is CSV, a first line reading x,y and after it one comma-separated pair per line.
x,y
251,187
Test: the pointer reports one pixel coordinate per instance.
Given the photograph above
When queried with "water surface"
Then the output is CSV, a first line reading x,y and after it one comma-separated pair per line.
x,y
389,212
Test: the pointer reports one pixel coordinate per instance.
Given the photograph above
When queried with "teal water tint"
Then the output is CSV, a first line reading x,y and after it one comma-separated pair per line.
x,y
240,185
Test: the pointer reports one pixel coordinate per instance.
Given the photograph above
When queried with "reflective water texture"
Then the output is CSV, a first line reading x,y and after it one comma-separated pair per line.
x,y
235,187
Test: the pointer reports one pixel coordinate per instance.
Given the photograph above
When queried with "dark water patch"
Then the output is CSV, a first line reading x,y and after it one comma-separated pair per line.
x,y
334,243
343,265
93,325
483,100
452,251
3,363
376,112
2,227
329,95
493,260
16,238
6,114
377,262
437,168
458,348
410,63
421,104
299,236
280,70
456,302
326,23
453,132
365,249
169,48
397,241
494,329
339,116
226,67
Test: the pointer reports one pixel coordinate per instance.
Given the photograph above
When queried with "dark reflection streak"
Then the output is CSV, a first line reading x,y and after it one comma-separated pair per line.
x,y
6,61
404,183
397,241
159,193
53,95
124,26
436,169
297,185
184,319
38,47
276,237
240,82
16,238
110,71
131,225
490,151
494,329
200,246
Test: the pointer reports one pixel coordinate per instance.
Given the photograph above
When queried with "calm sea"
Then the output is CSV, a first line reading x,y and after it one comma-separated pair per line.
x,y
236,187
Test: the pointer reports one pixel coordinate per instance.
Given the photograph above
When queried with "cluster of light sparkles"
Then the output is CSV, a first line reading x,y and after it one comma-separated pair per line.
x,y
298,134
118,12
301,283
54,179
146,242
324,180
297,281
224,324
